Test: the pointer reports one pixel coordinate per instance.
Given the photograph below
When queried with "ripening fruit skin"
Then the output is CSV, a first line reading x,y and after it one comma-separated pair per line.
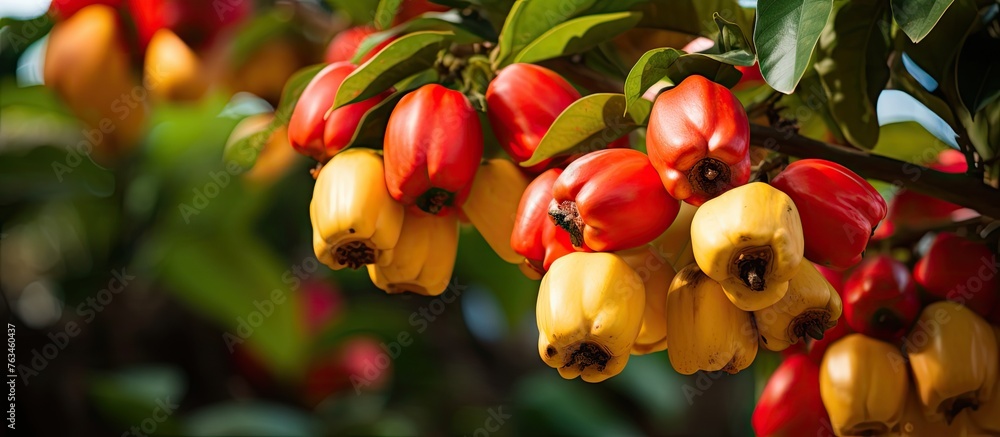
x,y
524,100
838,208
535,237
345,45
424,257
705,331
749,240
656,275
492,205
915,424
953,355
589,312
87,65
321,138
790,405
808,309
611,200
354,219
176,70
959,270
864,384
987,416
880,299
674,244
698,139
433,147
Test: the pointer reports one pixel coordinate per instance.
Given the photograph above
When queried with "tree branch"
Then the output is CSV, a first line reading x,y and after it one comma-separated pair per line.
x,y
952,187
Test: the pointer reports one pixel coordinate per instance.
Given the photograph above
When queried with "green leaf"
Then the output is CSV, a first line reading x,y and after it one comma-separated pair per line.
x,y
529,20
852,82
785,35
129,396
404,57
578,35
732,39
385,13
371,129
909,142
937,50
245,151
918,17
649,69
674,66
228,277
978,72
588,124
467,30
688,17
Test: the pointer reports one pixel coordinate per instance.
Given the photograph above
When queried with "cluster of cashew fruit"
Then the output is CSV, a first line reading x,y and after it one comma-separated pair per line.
x,y
914,355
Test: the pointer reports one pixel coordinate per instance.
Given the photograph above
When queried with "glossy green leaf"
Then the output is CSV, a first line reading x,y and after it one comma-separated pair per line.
x,y
385,13
918,17
404,57
529,20
688,17
649,69
674,66
245,151
785,35
852,82
589,124
577,35
371,129
731,38
466,30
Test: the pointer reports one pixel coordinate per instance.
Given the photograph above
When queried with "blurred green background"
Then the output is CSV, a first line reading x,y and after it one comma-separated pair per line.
x,y
224,323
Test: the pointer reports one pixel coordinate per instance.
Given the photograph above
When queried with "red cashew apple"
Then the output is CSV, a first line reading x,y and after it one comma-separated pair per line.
x,y
790,405
910,210
197,22
344,46
612,200
321,139
535,237
880,299
698,139
959,270
839,210
523,101
410,9
433,147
